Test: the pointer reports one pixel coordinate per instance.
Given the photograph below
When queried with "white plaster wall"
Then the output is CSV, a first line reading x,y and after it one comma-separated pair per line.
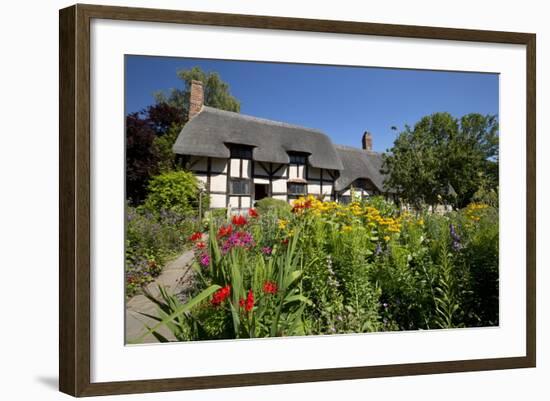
x,y
247,168
234,201
217,201
259,180
279,185
218,182
235,167
245,202
281,197
313,188
202,178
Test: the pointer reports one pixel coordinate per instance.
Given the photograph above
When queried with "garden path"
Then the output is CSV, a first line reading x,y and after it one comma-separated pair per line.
x,y
174,277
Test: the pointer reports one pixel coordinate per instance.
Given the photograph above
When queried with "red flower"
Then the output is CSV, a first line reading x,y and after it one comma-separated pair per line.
x,y
285,241
221,295
247,303
252,212
270,287
195,237
225,231
239,220
200,245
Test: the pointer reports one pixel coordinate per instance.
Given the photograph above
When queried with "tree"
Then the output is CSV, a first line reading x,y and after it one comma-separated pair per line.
x,y
141,158
216,91
444,159
151,133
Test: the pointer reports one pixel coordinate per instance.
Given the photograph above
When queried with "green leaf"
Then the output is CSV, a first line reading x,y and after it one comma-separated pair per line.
x,y
181,309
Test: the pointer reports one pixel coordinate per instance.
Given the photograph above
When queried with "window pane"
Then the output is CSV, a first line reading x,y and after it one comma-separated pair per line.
x,y
241,152
240,187
297,158
299,189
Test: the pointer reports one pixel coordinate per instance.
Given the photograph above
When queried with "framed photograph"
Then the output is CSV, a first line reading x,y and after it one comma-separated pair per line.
x,y
250,200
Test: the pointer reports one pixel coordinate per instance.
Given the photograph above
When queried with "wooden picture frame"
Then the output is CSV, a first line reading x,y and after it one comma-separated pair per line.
x,y
74,204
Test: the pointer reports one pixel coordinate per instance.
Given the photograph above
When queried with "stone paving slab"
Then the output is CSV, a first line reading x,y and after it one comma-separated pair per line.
x,y
171,278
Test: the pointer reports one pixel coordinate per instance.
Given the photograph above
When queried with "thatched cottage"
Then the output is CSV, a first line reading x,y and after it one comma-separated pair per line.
x,y
241,159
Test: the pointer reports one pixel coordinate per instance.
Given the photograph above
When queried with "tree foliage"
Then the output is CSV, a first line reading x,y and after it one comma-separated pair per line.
x,y
141,158
149,138
444,159
216,91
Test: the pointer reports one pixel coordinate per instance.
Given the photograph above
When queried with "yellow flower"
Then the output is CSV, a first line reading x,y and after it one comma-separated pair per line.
x,y
347,228
282,224
386,238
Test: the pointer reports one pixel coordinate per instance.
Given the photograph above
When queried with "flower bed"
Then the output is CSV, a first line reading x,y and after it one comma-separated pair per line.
x,y
332,268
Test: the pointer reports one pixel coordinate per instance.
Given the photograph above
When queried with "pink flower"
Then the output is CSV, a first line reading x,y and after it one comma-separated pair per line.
x,y
204,260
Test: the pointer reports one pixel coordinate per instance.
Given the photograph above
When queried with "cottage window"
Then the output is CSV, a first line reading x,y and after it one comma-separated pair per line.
x,y
297,158
296,188
240,187
241,152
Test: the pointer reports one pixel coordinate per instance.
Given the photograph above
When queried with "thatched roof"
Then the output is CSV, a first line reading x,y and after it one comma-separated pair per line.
x,y
209,131
359,163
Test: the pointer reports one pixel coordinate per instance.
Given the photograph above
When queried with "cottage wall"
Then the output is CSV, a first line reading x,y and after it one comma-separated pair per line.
x,y
216,175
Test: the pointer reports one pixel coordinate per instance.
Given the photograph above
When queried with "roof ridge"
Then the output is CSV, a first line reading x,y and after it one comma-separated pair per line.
x,y
347,147
261,120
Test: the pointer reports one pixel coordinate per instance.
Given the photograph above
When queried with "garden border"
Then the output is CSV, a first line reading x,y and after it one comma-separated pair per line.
x,y
74,199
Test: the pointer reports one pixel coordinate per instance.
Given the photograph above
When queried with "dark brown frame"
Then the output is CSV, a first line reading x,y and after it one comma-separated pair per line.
x,y
74,203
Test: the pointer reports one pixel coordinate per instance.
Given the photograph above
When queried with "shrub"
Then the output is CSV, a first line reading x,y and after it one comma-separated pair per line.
x,y
176,191
280,207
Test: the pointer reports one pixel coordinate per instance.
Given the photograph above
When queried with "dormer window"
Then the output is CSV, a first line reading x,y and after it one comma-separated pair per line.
x,y
241,152
297,158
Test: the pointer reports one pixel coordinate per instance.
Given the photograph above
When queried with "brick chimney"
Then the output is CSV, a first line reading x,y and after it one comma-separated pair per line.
x,y
367,141
196,98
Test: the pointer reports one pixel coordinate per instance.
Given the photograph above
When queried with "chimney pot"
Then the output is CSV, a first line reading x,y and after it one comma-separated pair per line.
x,y
196,98
367,141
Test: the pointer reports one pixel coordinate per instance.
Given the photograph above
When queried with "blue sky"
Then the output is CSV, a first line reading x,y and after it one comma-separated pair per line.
x,y
343,102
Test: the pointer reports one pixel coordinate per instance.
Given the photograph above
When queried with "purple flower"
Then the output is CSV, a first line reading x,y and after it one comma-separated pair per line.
x,y
240,239
266,250
456,245
378,249
204,259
